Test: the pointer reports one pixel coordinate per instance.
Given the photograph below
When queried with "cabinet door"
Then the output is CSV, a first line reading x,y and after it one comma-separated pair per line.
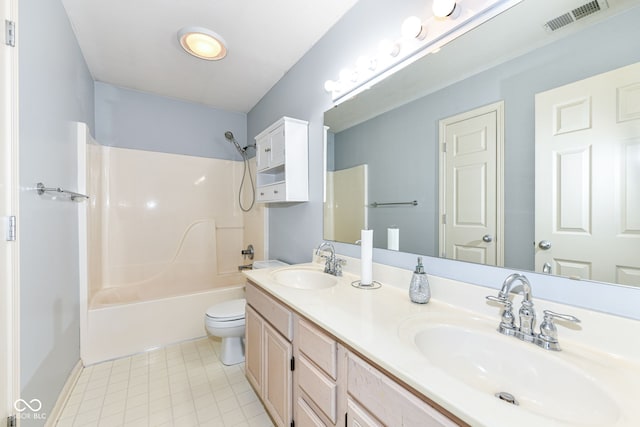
x,y
277,376
263,150
357,416
277,147
254,332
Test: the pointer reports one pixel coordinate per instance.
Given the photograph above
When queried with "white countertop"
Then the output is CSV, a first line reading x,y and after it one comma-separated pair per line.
x,y
374,322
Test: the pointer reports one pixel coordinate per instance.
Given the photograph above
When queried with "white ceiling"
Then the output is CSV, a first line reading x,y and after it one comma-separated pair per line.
x,y
133,44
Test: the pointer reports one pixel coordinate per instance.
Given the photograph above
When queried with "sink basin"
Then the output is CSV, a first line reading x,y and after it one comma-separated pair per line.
x,y
300,278
541,381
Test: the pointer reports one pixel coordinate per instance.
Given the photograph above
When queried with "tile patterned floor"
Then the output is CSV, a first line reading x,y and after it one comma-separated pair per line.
x,y
181,385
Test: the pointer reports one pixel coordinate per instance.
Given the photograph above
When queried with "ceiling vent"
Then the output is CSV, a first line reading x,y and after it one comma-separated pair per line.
x,y
576,14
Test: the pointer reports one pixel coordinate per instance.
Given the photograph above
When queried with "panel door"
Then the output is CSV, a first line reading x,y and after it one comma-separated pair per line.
x,y
469,187
588,178
263,148
254,332
277,376
277,147
9,356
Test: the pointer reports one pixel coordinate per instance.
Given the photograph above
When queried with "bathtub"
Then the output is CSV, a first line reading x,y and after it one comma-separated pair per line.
x,y
115,329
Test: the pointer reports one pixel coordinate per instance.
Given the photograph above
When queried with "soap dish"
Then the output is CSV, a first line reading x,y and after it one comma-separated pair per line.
x,y
359,285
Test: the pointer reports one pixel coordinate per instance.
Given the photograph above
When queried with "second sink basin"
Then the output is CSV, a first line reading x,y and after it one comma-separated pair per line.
x,y
303,278
541,382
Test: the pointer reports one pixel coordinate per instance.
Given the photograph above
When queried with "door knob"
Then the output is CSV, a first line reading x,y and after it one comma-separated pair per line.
x,y
544,245
487,238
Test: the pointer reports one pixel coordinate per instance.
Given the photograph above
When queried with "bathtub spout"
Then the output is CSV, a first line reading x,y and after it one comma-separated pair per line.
x,y
245,267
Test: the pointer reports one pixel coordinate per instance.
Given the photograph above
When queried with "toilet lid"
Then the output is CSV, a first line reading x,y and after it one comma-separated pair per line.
x,y
228,310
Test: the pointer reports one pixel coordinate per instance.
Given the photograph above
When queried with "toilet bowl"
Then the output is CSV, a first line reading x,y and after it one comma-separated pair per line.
x,y
226,320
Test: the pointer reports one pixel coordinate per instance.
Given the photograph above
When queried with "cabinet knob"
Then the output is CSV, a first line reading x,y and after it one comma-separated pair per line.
x,y
266,150
275,191
261,193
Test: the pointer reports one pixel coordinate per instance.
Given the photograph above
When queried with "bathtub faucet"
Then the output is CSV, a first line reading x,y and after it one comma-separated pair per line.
x,y
245,267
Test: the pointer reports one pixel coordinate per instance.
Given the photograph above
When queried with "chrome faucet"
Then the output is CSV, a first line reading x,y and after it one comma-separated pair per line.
x,y
548,337
332,265
245,267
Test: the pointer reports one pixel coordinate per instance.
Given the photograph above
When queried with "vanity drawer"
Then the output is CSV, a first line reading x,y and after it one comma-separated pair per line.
x,y
318,347
275,313
320,389
387,400
306,416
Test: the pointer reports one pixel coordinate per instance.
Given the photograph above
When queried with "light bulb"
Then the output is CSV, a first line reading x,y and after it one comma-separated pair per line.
x,y
412,28
446,9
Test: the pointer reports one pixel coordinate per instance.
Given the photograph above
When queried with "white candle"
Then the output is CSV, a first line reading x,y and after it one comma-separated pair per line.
x,y
393,238
366,257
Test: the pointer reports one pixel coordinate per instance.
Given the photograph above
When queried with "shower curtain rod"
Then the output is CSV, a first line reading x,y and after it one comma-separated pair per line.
x,y
72,195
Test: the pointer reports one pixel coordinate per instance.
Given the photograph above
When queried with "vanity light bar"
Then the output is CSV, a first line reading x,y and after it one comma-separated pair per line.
x,y
418,39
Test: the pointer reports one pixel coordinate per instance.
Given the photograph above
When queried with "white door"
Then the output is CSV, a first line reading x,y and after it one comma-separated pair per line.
x,y
9,345
588,178
347,201
471,186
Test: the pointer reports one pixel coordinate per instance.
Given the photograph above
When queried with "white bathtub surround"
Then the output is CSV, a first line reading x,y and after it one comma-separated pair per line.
x,y
161,236
378,324
164,224
180,385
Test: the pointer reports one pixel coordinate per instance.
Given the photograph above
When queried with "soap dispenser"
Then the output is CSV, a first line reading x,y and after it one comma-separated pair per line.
x,y
419,290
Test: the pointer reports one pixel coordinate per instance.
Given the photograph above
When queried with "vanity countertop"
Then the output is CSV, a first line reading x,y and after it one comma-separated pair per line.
x,y
377,324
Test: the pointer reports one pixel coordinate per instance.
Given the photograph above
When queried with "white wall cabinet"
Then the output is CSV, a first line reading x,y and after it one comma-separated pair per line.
x,y
282,162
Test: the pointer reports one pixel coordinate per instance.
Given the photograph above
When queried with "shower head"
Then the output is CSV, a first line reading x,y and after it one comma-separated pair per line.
x,y
229,136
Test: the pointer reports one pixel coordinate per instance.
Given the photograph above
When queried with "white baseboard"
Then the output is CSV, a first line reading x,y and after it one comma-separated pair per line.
x,y
64,395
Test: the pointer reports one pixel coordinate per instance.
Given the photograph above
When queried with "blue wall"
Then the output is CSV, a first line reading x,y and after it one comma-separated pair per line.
x,y
295,229
56,89
127,118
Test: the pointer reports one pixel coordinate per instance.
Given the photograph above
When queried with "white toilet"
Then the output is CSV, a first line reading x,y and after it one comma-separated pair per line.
x,y
226,320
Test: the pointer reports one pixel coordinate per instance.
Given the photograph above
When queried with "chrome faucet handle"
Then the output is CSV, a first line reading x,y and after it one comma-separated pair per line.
x,y
339,262
548,336
507,323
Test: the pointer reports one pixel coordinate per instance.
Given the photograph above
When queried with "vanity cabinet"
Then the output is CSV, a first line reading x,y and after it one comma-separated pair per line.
x,y
282,162
268,353
307,377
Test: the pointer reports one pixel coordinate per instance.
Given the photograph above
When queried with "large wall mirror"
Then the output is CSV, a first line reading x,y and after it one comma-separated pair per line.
x,y
385,147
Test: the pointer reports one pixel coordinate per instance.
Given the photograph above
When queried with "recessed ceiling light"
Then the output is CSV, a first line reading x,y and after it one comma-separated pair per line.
x,y
202,43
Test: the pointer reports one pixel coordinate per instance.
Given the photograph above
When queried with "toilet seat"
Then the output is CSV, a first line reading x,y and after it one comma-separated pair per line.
x,y
227,311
